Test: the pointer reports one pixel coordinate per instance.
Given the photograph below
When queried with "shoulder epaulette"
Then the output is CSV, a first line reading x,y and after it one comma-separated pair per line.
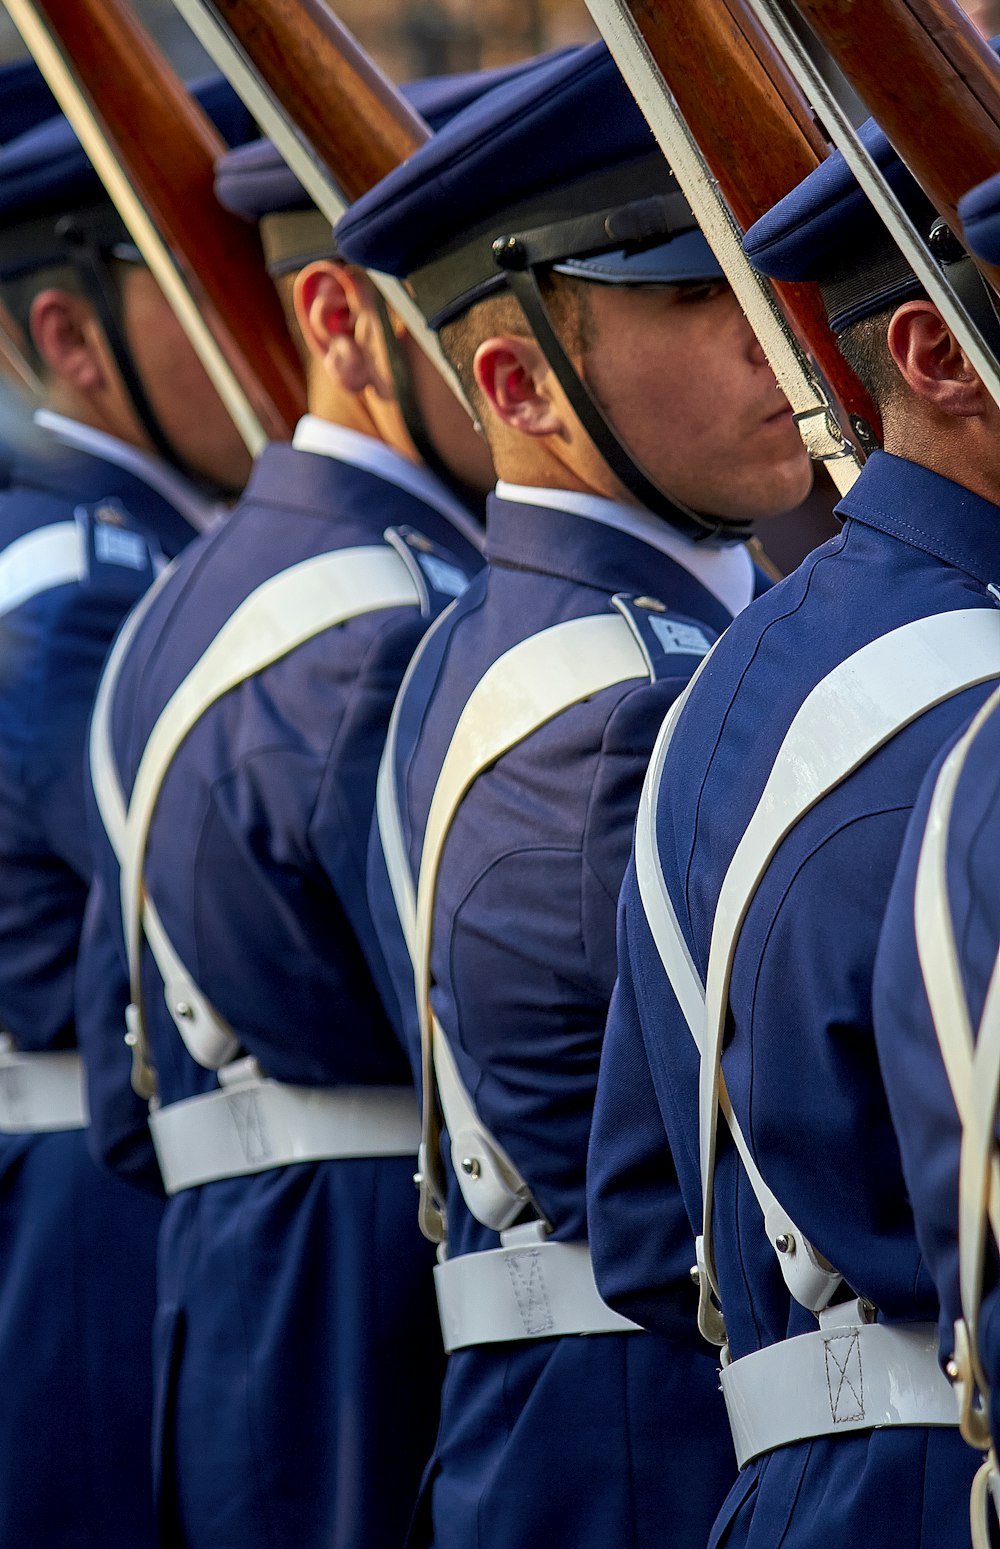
x,y
672,644
112,541
439,576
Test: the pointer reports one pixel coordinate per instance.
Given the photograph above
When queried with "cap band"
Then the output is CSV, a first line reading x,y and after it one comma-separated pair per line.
x,y
37,244
469,270
884,280
293,238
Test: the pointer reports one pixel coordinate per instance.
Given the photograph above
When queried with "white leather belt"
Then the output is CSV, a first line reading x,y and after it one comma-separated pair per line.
x,y
252,1125
836,1381
538,1290
41,1092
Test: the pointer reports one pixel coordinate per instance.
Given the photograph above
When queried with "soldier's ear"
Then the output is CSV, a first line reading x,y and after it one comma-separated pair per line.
x,y
932,363
515,378
67,337
329,298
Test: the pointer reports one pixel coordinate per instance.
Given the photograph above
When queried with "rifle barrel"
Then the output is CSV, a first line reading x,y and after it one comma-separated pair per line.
x,y
127,107
340,124
939,103
711,86
350,112
911,242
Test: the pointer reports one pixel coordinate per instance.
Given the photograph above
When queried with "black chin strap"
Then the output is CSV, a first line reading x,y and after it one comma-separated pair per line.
x,y
415,420
523,281
89,261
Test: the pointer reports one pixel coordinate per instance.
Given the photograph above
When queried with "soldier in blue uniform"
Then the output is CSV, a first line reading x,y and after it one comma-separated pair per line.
x,y
89,514
546,236
740,1055
935,1002
297,1356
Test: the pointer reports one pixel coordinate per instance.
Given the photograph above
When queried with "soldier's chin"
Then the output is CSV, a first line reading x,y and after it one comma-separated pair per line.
x,y
779,488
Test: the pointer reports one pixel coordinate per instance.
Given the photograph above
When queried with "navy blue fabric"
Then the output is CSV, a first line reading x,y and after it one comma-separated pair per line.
x,y
297,1355
540,132
979,210
800,1061
523,965
920,1096
253,180
827,222
25,99
76,1247
46,168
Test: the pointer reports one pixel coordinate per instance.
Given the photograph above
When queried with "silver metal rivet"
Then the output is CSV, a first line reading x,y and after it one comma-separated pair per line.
x,y
951,1370
131,1039
471,1167
182,1009
695,1274
785,1243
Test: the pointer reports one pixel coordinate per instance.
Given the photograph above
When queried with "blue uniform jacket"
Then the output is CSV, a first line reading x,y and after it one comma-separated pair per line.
x,y
523,963
800,1061
920,1096
76,1247
297,1358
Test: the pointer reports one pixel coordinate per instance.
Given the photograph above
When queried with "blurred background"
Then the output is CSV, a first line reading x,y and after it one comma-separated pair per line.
x,y
432,37
407,37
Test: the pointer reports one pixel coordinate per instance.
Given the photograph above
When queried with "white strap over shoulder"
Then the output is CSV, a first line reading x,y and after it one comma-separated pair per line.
x,y
530,685
50,556
972,1062
809,1278
281,614
865,702
857,708
103,773
387,812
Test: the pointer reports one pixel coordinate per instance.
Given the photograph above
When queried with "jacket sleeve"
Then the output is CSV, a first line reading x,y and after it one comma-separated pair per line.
x,y
118,1135
641,1239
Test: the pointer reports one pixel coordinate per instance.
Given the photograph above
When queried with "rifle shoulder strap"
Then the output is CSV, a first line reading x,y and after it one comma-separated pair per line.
x,y
868,699
529,686
971,1060
284,612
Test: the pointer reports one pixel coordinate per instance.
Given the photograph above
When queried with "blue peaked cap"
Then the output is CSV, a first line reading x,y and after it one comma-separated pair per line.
x,y
25,99
826,230
979,211
563,140
254,181
45,174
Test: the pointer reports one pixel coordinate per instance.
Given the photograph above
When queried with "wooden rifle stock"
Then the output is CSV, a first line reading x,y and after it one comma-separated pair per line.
x,y
167,147
356,120
930,80
339,123
757,134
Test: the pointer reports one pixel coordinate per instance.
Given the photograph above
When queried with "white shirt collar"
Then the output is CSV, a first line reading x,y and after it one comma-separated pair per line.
x,y
724,569
178,491
326,439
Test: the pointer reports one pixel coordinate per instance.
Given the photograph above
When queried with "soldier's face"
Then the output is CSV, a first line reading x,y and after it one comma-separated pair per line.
x,y
182,397
681,377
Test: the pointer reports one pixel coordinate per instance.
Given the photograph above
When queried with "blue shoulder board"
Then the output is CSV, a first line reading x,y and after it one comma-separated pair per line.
x,y
672,644
439,576
112,542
